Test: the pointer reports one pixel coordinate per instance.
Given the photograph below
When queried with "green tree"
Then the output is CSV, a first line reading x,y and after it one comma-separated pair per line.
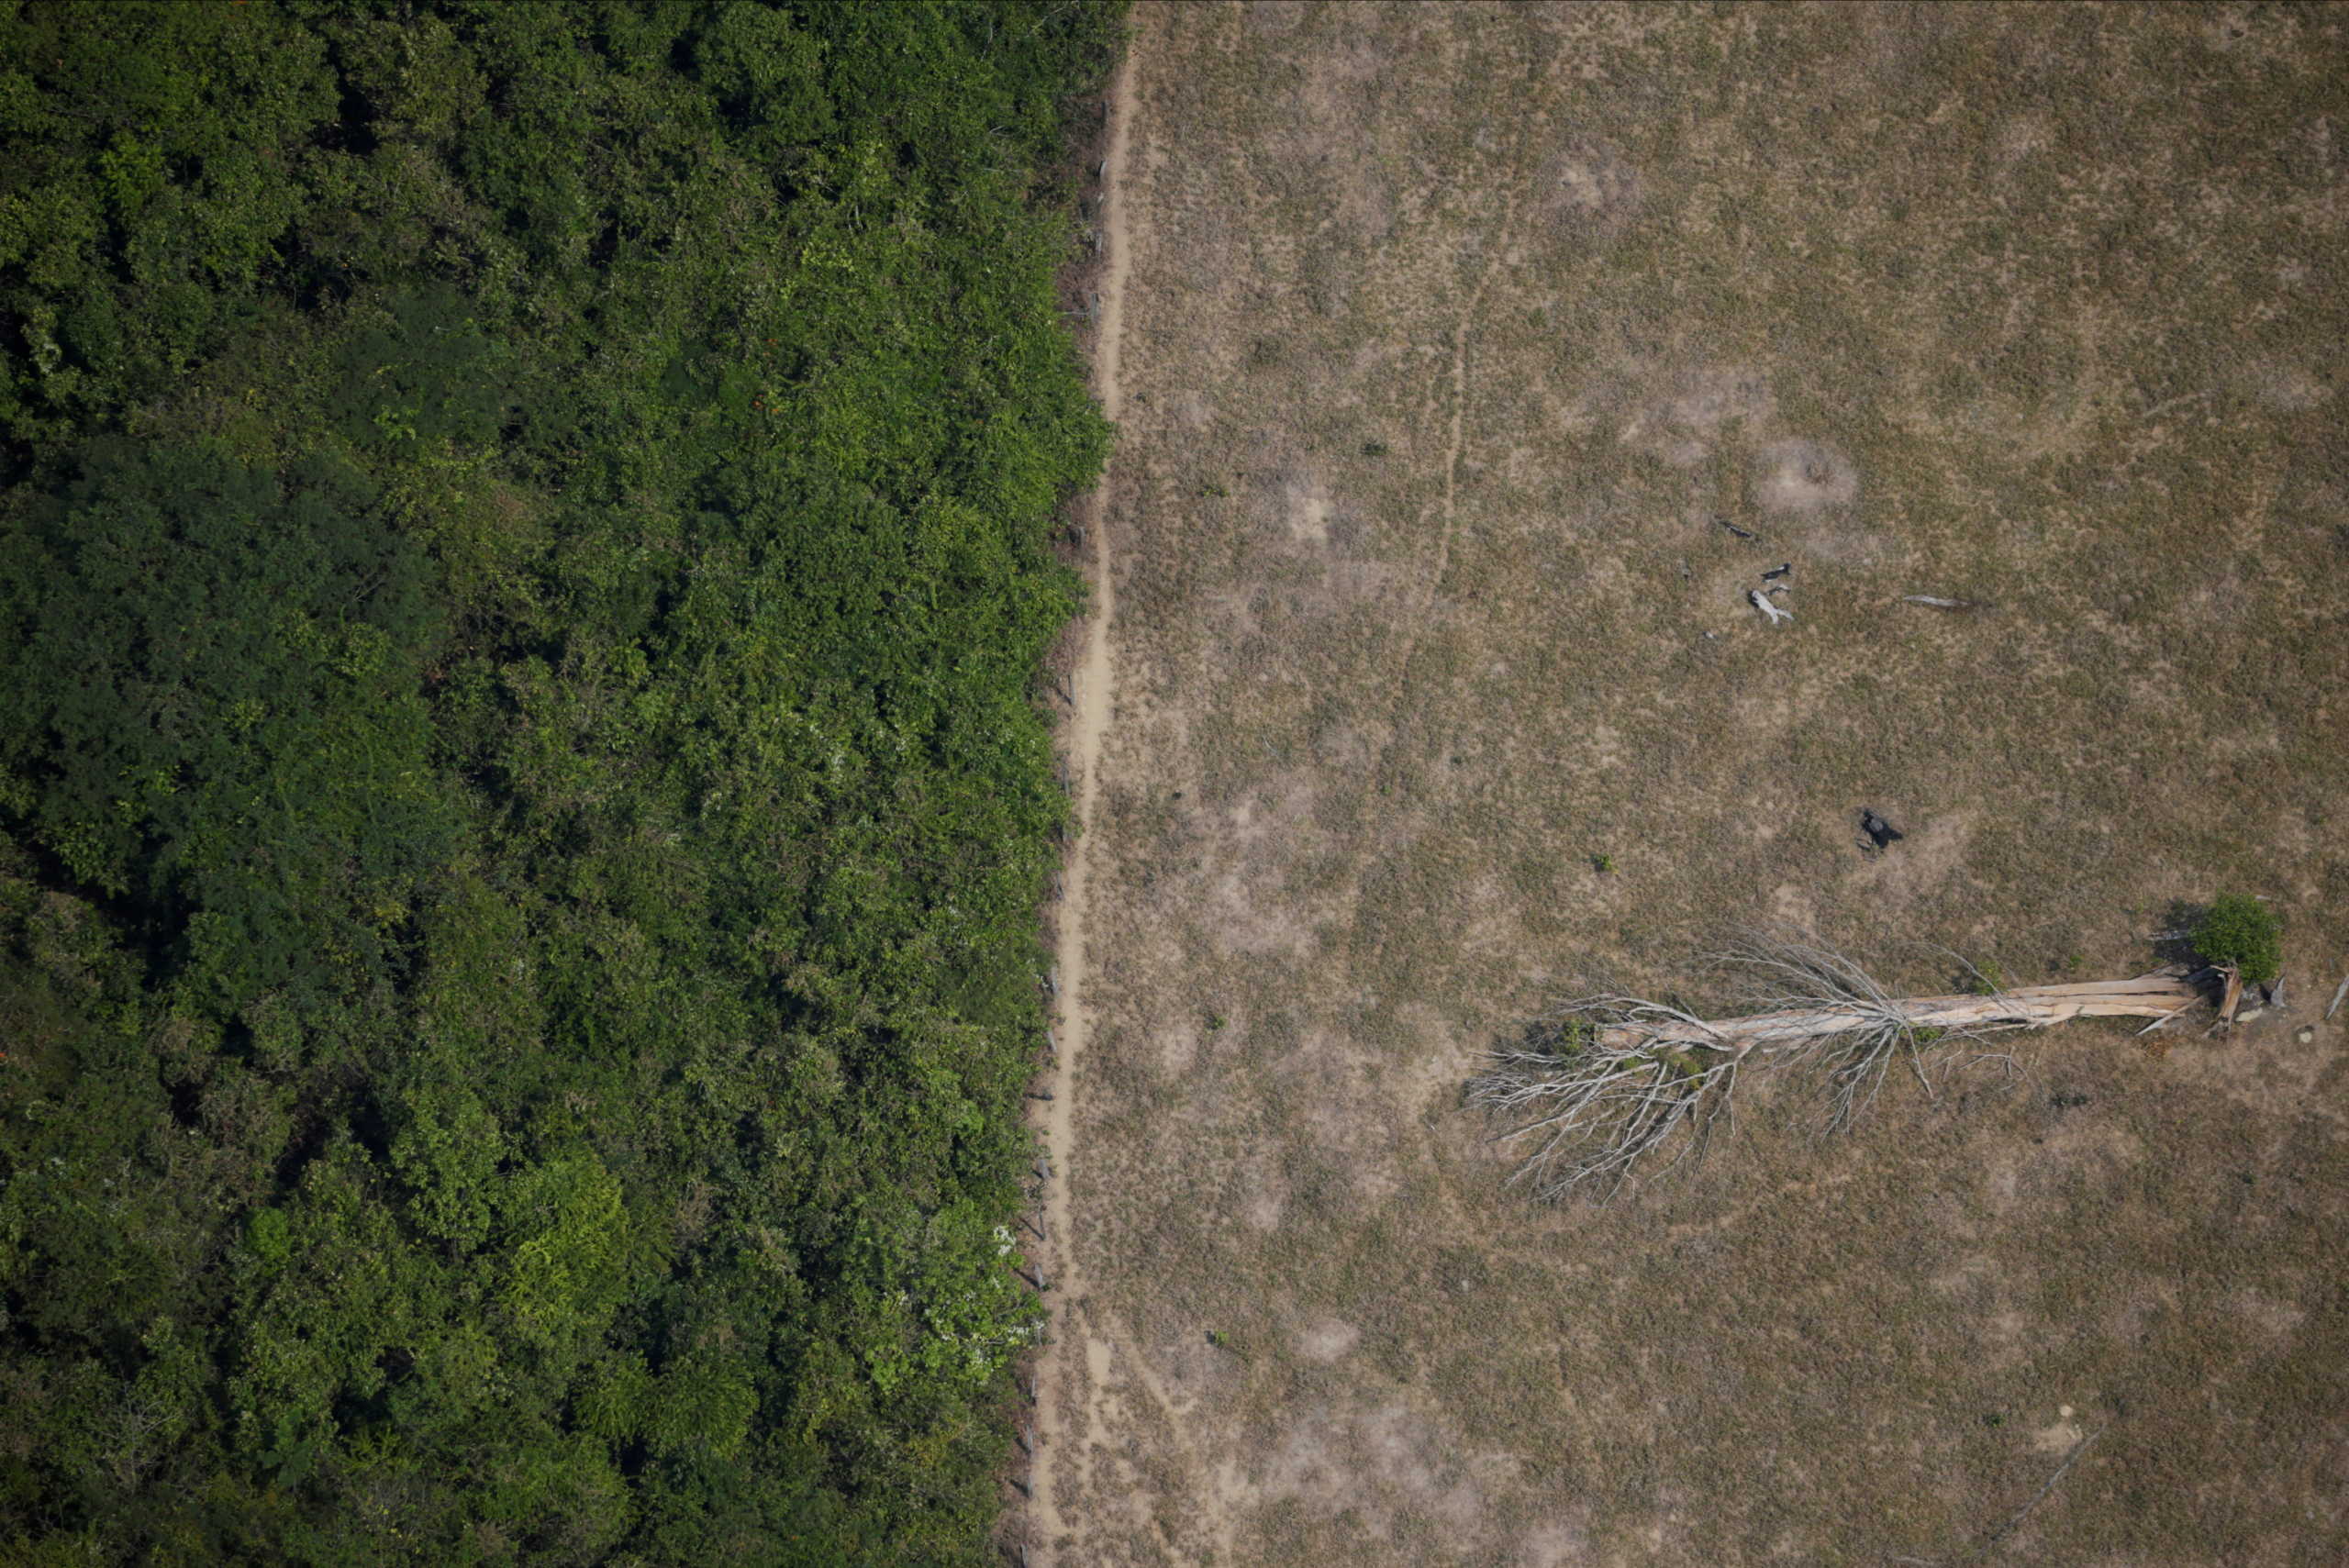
x,y
209,706
2240,930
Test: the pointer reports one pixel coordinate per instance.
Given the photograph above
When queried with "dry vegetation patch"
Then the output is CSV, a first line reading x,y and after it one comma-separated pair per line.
x,y
1454,335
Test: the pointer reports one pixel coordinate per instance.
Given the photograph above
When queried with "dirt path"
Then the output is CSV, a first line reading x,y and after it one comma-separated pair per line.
x,y
1446,505
1091,720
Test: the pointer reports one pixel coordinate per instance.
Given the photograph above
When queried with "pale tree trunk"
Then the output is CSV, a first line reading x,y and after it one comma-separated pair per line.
x,y
2029,1006
1604,1086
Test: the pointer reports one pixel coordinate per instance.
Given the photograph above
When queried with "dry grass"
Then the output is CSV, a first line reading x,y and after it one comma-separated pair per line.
x,y
1452,330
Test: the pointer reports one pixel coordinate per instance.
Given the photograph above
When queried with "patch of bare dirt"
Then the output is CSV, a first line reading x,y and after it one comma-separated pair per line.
x,y
1800,478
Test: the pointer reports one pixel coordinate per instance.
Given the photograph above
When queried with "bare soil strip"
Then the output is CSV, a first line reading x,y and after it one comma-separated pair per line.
x,y
1456,441
1088,724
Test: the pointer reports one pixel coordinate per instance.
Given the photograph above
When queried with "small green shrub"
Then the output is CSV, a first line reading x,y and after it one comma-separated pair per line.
x,y
1570,1037
2240,930
1987,979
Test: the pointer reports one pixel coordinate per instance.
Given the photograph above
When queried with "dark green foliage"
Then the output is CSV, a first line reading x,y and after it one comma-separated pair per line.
x,y
158,155
209,709
522,815
2240,930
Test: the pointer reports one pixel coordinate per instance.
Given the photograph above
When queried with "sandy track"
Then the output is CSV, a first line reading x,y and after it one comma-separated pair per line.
x,y
1092,682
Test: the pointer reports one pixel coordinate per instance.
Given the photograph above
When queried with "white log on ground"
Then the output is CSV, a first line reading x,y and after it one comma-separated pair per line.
x,y
1606,1087
2026,1007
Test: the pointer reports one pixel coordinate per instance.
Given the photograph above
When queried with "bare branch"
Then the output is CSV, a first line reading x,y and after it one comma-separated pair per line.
x,y
2037,1497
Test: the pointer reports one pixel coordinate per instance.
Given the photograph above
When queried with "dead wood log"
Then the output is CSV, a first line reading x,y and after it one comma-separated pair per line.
x,y
2233,998
1605,1085
2026,1007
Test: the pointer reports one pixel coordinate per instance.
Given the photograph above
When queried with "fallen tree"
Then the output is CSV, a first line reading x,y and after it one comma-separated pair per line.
x,y
1606,1085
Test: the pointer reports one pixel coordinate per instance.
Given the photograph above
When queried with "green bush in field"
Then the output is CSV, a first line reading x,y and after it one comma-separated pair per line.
x,y
1988,978
2240,930
522,565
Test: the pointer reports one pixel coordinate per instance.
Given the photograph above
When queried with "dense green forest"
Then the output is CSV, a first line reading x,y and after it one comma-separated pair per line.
x,y
524,555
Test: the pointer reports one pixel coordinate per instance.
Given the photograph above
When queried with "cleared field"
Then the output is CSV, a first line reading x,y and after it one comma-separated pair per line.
x,y
1450,333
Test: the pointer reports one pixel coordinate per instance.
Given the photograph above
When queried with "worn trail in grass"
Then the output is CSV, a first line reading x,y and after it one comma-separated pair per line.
x,y
1093,686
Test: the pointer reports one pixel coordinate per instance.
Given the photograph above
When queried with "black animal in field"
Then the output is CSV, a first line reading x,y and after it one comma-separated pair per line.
x,y
1880,832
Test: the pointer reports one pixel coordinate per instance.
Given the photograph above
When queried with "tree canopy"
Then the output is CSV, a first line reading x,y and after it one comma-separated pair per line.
x,y
2238,929
524,560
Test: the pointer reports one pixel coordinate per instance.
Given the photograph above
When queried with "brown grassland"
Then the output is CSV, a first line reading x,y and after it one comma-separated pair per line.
x,y
1451,329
